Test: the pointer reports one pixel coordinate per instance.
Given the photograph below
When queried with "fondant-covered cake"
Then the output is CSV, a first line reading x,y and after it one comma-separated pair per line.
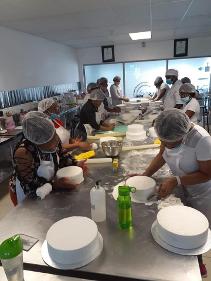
x,y
136,132
182,227
74,173
73,241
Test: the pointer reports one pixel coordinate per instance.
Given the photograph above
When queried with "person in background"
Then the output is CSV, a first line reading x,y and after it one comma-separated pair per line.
x,y
107,102
172,97
191,105
2,120
90,87
22,115
162,89
51,108
116,92
185,80
88,114
186,148
37,157
9,121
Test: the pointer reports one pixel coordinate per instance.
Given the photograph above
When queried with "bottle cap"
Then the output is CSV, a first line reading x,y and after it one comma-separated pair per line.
x,y
125,190
11,247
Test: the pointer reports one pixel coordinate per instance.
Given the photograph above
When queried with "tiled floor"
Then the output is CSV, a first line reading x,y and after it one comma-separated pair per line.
x,y
6,205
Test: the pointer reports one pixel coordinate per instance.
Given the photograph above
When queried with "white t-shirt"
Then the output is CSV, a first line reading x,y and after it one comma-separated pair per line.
x,y
162,86
172,97
194,106
196,147
116,94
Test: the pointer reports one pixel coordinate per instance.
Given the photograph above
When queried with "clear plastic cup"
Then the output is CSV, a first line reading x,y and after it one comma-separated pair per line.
x,y
13,268
11,255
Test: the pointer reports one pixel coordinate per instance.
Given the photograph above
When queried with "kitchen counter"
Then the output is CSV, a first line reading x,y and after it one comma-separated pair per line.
x,y
127,254
7,143
11,133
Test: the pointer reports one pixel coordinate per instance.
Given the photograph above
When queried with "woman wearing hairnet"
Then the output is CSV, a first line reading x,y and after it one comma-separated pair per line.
x,y
37,157
191,106
51,108
186,148
116,92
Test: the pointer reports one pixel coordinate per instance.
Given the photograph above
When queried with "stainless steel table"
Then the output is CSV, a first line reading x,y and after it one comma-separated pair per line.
x,y
127,254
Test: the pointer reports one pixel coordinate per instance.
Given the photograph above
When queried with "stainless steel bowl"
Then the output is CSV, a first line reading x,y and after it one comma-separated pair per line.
x,y
112,148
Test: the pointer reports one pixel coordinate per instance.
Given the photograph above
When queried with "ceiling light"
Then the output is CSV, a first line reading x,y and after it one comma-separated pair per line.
x,y
141,35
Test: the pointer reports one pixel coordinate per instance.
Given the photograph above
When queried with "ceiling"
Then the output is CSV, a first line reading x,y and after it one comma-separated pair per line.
x,y
88,23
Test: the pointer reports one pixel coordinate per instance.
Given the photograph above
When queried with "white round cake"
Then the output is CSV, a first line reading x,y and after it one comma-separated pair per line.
x,y
74,173
145,186
136,132
182,227
73,240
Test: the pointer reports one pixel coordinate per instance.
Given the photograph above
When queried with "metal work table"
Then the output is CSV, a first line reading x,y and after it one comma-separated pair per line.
x,y
11,133
127,254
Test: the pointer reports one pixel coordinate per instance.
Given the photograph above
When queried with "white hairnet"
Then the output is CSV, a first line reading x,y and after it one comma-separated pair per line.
x,y
91,86
45,104
158,80
172,72
102,80
187,88
117,78
96,95
37,128
185,80
172,125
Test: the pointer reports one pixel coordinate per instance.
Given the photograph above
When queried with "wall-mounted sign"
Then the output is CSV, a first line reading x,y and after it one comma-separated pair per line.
x,y
108,53
180,47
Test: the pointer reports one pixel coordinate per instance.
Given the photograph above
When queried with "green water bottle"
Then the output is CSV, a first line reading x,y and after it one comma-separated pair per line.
x,y
124,206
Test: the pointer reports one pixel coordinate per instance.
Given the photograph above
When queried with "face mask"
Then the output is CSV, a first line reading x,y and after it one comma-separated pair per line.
x,y
175,149
185,100
169,81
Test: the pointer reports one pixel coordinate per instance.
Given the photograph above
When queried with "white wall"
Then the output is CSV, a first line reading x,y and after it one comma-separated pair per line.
x,y
135,51
28,61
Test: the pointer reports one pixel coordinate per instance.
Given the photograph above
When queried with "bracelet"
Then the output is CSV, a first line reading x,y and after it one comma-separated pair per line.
x,y
178,180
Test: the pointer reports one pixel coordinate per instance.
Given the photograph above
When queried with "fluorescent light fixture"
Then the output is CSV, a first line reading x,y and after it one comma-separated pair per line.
x,y
141,35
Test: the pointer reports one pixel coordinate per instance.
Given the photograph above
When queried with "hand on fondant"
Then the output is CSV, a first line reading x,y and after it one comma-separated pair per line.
x,y
167,187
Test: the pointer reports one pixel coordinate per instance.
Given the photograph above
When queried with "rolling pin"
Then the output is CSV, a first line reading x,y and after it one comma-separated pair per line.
x,y
144,146
99,160
115,134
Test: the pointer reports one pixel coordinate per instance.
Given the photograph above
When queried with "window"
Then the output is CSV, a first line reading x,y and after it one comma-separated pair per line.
x,y
197,69
140,77
94,72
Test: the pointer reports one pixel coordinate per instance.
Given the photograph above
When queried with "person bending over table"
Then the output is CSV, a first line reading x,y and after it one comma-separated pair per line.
x,y
162,89
37,157
191,105
186,148
89,113
51,108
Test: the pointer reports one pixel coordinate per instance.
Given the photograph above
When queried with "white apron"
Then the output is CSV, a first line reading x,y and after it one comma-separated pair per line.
x,y
89,129
197,196
45,170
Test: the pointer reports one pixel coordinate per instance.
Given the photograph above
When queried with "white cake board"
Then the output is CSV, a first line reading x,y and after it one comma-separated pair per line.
x,y
48,260
194,252
133,199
